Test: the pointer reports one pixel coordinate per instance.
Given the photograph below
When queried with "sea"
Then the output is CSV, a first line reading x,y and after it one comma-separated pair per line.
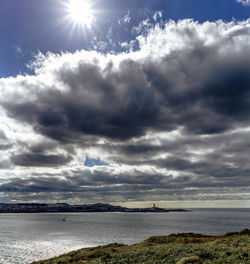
x,y
25,238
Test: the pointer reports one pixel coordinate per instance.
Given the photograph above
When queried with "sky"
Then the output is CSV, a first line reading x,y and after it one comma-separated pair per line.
x,y
125,102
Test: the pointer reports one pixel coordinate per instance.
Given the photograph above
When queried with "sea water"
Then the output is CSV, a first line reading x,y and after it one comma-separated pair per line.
x,y
28,237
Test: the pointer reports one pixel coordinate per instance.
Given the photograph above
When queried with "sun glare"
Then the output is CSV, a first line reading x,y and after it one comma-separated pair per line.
x,y
80,12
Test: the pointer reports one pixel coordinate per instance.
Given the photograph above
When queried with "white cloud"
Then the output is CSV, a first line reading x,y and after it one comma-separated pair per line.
x,y
157,15
126,18
244,2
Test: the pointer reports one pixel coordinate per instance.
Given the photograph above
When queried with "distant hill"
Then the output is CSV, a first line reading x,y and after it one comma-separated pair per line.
x,y
232,248
64,207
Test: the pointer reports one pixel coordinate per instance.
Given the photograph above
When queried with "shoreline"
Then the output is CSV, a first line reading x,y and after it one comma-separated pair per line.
x,y
84,208
182,248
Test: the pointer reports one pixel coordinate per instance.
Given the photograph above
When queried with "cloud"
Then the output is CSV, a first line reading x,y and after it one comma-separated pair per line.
x,y
244,2
193,80
157,16
38,160
2,135
5,146
102,187
170,119
105,183
127,18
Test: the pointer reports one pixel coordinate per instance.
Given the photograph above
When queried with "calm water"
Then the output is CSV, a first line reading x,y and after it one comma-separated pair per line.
x,y
28,237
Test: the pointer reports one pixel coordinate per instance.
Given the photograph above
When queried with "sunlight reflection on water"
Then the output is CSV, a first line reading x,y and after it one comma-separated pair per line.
x,y
28,237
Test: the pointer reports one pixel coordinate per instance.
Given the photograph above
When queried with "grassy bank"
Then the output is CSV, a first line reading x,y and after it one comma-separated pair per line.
x,y
232,248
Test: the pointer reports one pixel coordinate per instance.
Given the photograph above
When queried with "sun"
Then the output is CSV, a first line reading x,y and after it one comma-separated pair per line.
x,y
80,12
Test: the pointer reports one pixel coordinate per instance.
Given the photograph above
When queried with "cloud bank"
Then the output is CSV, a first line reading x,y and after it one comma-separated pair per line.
x,y
169,121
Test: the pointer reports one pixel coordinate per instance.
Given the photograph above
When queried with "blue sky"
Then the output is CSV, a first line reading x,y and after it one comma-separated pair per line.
x,y
129,102
29,26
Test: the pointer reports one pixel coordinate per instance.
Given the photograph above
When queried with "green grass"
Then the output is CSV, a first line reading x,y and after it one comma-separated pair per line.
x,y
232,248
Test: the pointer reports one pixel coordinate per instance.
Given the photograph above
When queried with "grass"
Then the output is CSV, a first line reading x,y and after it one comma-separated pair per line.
x,y
232,248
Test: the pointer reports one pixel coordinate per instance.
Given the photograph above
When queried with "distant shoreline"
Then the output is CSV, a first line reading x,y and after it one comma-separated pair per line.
x,y
85,208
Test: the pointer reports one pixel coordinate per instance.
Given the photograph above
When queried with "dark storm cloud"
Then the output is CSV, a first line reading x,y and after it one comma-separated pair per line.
x,y
197,87
93,105
39,160
43,147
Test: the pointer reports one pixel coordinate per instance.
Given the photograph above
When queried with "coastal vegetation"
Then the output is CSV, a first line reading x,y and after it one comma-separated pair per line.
x,y
232,248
